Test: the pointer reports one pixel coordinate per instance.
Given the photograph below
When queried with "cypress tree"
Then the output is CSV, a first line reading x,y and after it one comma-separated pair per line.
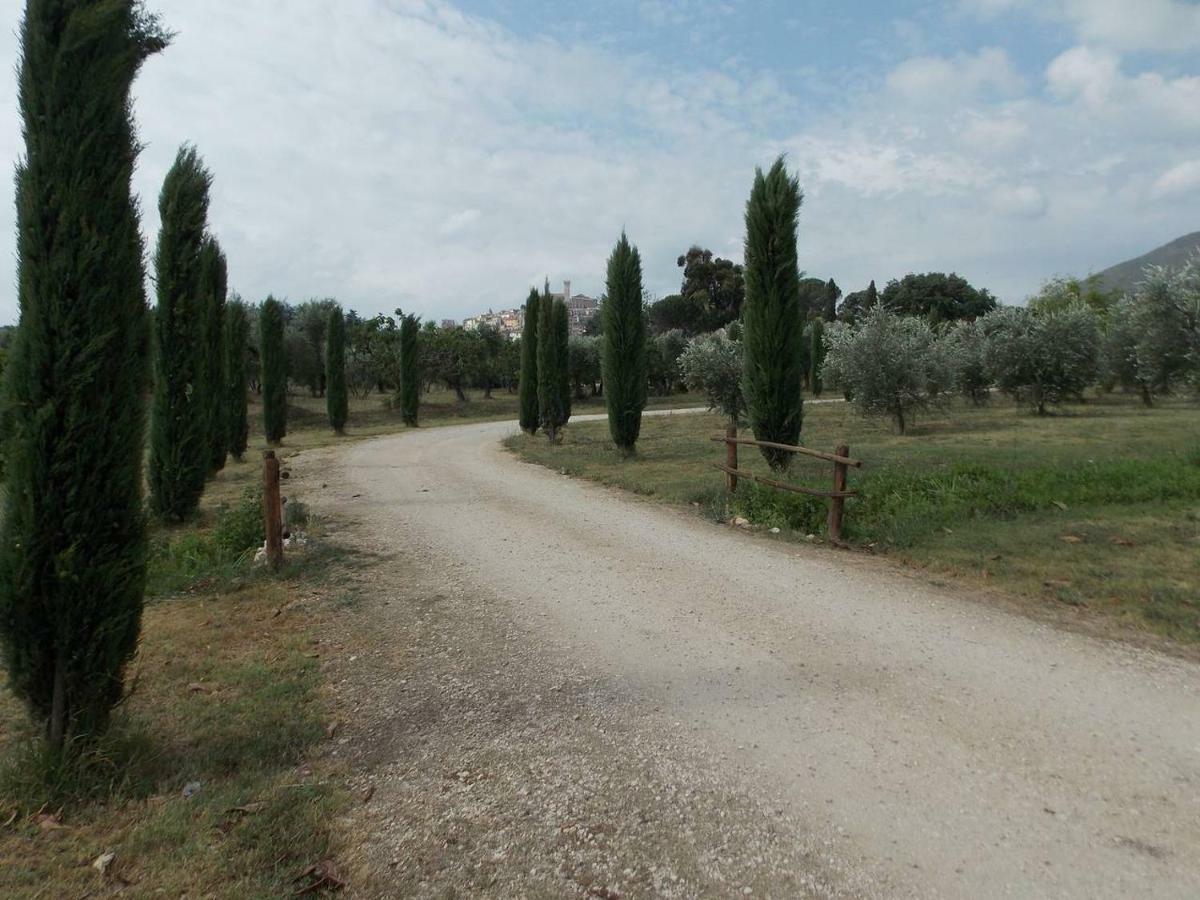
x,y
623,346
237,334
179,448
528,384
214,279
336,401
872,296
72,539
771,312
274,370
562,338
829,306
550,365
816,356
410,369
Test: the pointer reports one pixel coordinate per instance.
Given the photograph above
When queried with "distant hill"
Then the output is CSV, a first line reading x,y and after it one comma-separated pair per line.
x,y
1124,276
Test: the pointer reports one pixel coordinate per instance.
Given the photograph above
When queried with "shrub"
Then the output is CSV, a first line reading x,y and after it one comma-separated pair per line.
x,y
771,312
1042,358
240,529
890,365
712,365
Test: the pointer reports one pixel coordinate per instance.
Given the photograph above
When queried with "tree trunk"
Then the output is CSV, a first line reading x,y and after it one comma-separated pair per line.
x,y
56,728
458,392
1147,397
900,419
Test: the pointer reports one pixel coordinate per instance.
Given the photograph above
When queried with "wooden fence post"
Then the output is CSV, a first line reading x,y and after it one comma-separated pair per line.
x,y
731,458
272,511
837,503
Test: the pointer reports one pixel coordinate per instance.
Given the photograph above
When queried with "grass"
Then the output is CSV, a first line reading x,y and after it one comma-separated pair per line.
x,y
1096,507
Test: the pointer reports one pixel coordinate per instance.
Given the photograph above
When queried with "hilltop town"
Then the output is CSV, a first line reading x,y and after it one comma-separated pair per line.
x,y
581,309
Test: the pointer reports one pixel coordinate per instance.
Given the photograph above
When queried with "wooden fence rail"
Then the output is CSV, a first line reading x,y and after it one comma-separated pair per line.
x,y
842,463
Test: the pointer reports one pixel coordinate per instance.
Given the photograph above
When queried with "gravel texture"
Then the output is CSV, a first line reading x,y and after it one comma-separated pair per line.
x,y
553,689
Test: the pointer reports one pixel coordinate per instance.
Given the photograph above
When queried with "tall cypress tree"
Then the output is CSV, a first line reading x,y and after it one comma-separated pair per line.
x,y
73,543
623,346
771,312
562,337
337,403
527,389
214,281
237,335
551,361
872,296
829,305
179,449
410,369
816,356
273,354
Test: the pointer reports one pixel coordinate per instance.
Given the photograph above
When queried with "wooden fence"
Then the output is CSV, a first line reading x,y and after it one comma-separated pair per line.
x,y
842,463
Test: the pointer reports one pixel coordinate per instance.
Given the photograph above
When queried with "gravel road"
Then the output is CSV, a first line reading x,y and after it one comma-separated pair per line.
x,y
938,746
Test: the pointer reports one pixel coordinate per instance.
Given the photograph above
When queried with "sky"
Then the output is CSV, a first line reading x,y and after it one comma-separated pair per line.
x,y
444,156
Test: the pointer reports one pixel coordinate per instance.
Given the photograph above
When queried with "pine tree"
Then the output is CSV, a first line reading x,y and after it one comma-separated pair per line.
x,y
562,337
771,312
273,354
237,334
623,346
336,401
551,363
214,281
816,356
179,450
410,369
528,383
73,539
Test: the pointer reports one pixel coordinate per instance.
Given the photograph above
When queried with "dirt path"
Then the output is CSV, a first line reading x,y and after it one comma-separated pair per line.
x,y
901,741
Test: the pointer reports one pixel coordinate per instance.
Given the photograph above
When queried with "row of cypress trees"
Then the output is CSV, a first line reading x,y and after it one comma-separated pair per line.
x,y
544,387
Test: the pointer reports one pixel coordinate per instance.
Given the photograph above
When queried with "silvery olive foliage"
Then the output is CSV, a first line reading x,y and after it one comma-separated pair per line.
x,y
888,365
963,346
712,365
1158,344
1042,358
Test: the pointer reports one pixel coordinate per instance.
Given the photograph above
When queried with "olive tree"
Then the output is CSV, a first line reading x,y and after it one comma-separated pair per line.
x,y
1042,359
712,365
890,365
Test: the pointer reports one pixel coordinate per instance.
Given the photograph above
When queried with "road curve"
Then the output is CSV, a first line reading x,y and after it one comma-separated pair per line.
x,y
963,751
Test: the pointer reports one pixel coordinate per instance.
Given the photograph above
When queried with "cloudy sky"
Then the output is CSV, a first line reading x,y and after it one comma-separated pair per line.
x,y
443,156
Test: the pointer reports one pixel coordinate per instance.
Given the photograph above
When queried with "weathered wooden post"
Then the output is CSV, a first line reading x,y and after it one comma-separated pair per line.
x,y
272,511
837,503
731,461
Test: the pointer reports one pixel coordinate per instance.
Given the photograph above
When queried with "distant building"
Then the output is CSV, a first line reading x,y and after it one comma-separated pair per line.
x,y
449,323
580,310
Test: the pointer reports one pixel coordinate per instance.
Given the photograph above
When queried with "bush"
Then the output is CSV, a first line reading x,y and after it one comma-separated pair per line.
x,y
890,365
241,529
1042,358
712,365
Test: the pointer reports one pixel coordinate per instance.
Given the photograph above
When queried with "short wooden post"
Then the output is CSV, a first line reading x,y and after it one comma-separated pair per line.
x,y
837,504
731,454
272,511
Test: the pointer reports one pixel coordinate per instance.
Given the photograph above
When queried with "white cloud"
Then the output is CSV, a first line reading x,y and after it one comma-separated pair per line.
x,y
940,80
1148,101
1155,25
1021,202
1181,179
